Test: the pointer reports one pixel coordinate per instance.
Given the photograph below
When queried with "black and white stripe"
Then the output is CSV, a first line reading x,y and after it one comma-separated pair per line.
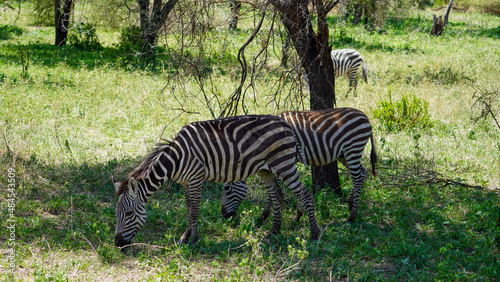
x,y
346,63
222,150
325,136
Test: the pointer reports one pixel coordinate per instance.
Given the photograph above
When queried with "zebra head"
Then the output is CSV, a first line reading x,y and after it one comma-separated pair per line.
x,y
130,211
233,194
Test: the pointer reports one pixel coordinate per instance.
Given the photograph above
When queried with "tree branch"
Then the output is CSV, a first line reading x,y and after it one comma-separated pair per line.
x,y
231,107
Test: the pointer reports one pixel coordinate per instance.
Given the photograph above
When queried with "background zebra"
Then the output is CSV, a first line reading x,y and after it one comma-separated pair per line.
x,y
346,63
221,150
324,136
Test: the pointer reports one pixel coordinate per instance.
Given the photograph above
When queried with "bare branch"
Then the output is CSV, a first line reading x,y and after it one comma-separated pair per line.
x,y
447,14
330,5
231,107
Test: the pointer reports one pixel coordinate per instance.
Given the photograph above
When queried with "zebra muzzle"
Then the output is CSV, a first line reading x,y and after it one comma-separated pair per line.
x,y
119,241
226,214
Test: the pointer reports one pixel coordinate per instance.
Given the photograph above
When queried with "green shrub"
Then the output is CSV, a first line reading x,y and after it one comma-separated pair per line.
x,y
408,113
130,39
83,36
6,31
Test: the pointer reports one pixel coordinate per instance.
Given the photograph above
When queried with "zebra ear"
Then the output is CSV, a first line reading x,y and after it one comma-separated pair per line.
x,y
117,186
132,187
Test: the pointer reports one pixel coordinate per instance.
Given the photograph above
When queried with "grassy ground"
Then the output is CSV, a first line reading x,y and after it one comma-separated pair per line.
x,y
72,117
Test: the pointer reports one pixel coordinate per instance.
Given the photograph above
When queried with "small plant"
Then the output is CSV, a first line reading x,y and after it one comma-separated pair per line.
x,y
408,113
486,104
25,62
84,37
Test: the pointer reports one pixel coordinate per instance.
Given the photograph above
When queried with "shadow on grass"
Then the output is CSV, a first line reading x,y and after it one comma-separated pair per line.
x,y
406,221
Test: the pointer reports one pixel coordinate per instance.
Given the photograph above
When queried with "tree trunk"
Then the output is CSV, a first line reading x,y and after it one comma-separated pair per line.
x,y
61,17
358,13
438,24
235,14
152,21
314,53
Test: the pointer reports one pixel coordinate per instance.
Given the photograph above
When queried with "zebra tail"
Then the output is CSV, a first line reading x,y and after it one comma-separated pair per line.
x,y
373,156
365,72
301,157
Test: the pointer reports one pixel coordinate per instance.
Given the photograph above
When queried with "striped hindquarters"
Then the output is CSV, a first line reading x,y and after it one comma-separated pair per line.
x,y
326,135
346,61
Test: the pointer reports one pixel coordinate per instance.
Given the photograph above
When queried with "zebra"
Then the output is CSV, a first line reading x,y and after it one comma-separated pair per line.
x,y
324,136
346,63
221,150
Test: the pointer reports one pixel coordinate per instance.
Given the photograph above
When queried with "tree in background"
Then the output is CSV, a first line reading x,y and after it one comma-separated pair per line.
x,y
152,18
62,9
235,13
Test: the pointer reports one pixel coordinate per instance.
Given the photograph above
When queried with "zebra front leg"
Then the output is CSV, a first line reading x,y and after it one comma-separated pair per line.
x,y
276,196
185,236
267,209
194,191
292,181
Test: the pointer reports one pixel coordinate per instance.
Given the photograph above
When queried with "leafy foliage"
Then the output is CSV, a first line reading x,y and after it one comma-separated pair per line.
x,y
83,36
130,39
6,31
408,113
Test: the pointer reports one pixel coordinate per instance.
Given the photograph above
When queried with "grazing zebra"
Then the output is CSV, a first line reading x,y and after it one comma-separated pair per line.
x,y
221,150
346,63
324,136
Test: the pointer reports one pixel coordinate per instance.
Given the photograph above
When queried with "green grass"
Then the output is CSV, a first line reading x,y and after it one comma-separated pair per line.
x,y
76,116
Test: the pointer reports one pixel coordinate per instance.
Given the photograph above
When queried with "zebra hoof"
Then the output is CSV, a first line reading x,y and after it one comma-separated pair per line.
x,y
183,242
349,222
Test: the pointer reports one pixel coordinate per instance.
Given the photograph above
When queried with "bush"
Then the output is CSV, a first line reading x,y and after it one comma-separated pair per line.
x,y
83,36
130,39
6,31
408,113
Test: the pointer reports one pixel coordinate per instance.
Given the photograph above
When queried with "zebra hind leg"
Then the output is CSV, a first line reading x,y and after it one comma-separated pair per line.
x,y
269,204
352,82
185,236
358,179
267,209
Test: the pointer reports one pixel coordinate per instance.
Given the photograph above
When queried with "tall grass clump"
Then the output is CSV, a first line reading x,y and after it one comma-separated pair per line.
x,y
410,112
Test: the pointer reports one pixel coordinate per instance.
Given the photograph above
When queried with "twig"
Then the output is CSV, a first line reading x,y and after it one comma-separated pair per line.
x,y
88,242
7,143
140,244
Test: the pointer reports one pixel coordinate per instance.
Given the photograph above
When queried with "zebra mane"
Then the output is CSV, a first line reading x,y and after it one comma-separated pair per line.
x,y
143,168
146,164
